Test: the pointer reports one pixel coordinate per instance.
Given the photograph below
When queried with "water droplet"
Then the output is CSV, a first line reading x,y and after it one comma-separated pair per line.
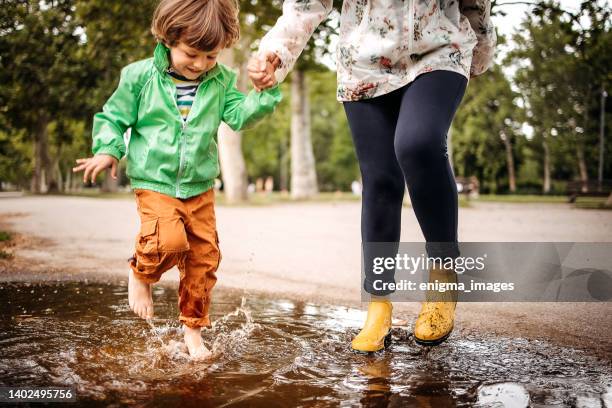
x,y
508,394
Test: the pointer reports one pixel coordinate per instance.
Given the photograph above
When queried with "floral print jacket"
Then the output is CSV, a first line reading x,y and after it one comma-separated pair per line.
x,y
386,44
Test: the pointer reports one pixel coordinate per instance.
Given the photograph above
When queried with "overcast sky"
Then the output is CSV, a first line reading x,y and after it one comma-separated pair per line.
x,y
516,13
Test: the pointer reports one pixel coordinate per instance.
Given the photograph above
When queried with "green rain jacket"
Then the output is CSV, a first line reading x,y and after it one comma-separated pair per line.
x,y
166,154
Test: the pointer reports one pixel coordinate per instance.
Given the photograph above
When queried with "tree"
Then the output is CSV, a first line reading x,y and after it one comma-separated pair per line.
x,y
485,130
116,33
335,157
233,167
253,16
303,169
563,66
40,72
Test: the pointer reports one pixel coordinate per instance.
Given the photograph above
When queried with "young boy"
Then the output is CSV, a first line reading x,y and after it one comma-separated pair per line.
x,y
174,103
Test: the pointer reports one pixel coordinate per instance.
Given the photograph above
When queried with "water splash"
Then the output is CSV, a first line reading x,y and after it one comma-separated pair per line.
x,y
290,353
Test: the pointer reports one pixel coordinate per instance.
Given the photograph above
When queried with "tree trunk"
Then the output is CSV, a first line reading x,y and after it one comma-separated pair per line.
x,y
584,176
602,123
41,155
233,166
284,166
54,172
110,185
546,185
509,162
582,169
68,181
303,172
59,180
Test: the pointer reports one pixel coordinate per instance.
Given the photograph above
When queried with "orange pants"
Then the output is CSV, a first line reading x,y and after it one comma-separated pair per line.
x,y
179,232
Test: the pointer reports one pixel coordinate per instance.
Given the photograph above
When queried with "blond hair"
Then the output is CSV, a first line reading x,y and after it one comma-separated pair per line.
x,y
201,24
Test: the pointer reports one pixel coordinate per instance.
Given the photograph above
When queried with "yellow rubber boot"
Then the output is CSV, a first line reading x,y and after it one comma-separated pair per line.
x,y
376,332
437,317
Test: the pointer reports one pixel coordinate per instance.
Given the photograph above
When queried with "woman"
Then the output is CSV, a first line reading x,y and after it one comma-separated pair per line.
x,y
403,67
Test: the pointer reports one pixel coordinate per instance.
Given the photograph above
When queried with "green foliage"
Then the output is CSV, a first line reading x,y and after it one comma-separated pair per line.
x,y
487,113
564,63
335,158
258,16
41,75
266,145
40,69
60,60
116,33
15,158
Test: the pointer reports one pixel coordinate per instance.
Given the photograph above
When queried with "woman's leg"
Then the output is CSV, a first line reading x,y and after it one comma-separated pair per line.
x,y
427,109
372,124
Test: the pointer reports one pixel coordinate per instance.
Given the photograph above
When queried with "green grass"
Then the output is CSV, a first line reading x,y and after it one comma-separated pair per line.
x,y
519,198
4,237
464,202
95,193
581,202
263,199
592,203
258,199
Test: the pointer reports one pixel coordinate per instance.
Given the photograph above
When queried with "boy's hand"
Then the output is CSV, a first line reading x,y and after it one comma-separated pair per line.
x,y
94,165
261,70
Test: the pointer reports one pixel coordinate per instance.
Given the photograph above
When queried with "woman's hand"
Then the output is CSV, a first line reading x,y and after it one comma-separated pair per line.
x,y
94,165
261,70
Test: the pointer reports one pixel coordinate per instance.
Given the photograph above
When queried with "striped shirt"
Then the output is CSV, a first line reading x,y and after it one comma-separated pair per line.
x,y
185,92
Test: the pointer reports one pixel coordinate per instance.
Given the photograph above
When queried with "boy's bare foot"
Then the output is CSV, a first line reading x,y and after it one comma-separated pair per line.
x,y
139,297
194,343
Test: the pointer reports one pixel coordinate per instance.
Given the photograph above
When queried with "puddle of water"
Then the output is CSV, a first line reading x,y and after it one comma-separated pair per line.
x,y
269,352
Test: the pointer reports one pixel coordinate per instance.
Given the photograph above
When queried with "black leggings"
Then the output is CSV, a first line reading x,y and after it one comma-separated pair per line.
x,y
400,138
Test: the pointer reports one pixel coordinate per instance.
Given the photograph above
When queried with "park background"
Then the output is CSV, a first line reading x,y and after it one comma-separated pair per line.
x,y
534,122
532,131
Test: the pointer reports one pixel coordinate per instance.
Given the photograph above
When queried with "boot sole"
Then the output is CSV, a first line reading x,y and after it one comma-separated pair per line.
x,y
433,342
386,344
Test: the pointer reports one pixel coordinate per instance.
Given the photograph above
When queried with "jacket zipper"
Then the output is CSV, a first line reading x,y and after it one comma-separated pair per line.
x,y
182,138
181,156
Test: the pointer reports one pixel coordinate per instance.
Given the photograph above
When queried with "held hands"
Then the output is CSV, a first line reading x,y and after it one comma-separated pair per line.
x,y
261,70
94,165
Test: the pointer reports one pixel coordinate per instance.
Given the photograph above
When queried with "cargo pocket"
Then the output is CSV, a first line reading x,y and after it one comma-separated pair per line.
x,y
148,241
